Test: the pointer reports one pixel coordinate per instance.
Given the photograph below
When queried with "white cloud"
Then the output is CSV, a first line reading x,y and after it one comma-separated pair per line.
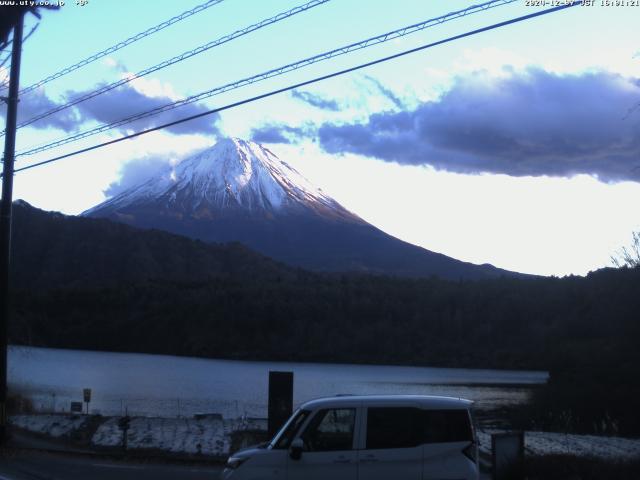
x,y
492,60
547,226
81,180
153,87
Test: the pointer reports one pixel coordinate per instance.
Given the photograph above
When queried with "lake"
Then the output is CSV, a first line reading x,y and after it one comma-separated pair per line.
x,y
168,386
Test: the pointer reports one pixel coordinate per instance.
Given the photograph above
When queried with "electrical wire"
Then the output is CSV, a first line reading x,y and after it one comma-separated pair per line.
x,y
305,83
176,59
272,73
122,44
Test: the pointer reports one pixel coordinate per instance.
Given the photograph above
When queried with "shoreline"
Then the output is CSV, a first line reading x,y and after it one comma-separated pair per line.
x,y
518,371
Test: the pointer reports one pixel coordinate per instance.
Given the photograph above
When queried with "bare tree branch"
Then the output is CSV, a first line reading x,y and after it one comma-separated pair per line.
x,y
628,256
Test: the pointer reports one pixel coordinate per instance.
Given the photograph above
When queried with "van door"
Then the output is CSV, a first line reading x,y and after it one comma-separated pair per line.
x,y
328,452
449,447
392,446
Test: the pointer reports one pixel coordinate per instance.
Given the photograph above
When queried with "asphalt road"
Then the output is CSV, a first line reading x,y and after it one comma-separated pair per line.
x,y
33,465
37,465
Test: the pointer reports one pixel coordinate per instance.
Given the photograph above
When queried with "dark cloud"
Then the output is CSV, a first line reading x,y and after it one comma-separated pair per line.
x,y
316,100
136,172
126,101
277,133
386,92
270,134
530,123
112,106
37,102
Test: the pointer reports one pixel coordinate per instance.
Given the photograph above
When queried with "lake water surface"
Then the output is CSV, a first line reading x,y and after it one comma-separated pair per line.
x,y
162,385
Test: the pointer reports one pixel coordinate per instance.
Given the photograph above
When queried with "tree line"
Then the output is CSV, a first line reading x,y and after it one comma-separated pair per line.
x,y
583,330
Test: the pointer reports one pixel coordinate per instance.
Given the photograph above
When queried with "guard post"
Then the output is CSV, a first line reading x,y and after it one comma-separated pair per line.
x,y
280,400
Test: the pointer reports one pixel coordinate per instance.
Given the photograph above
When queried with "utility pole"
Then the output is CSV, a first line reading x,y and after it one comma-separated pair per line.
x,y
5,216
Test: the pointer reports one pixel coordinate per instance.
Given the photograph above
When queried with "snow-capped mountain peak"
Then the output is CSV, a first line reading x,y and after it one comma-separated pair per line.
x,y
240,191
234,175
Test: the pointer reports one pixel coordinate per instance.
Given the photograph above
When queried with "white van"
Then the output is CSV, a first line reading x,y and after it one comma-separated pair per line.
x,y
381,437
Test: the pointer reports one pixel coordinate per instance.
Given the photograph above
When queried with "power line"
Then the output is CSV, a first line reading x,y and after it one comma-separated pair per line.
x,y
177,58
122,44
273,73
305,83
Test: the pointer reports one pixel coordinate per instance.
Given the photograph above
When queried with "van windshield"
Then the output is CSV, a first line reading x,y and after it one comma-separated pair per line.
x,y
285,435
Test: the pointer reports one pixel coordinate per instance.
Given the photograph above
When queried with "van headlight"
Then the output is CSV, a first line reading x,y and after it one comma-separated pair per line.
x,y
235,462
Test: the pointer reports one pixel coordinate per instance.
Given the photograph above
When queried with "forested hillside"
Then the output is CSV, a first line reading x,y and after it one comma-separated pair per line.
x,y
103,286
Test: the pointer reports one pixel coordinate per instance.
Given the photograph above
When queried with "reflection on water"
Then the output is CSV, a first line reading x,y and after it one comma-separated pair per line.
x,y
162,385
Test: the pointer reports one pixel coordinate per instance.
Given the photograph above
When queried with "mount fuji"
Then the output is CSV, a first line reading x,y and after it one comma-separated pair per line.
x,y
240,191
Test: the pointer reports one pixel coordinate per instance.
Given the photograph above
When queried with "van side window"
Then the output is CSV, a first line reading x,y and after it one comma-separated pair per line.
x,y
393,427
330,430
441,426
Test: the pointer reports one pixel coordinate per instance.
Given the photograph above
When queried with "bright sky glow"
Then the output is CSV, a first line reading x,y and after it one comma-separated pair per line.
x,y
550,225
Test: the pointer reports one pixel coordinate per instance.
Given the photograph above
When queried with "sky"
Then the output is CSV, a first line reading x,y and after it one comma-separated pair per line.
x,y
518,147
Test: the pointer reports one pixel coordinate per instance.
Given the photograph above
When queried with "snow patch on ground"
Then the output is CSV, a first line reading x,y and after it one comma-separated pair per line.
x,y
204,434
211,435
185,435
551,443
53,425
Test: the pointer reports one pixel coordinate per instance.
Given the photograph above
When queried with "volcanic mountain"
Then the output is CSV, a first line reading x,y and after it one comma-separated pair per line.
x,y
241,191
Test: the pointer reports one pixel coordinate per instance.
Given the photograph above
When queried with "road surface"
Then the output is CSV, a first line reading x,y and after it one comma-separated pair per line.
x,y
34,465
37,465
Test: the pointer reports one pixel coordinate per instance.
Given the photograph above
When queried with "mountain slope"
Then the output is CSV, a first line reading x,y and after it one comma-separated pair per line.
x,y
240,191
51,250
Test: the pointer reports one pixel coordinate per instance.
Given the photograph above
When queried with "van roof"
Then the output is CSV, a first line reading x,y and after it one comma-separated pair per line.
x,y
424,401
